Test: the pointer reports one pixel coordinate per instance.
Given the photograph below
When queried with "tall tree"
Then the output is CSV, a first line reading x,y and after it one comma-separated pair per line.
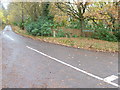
x,y
107,13
45,8
75,10
33,9
3,14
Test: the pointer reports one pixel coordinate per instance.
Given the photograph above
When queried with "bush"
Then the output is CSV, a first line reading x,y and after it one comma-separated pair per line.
x,y
31,27
117,34
46,29
35,32
74,25
104,34
60,33
41,27
21,25
75,36
15,23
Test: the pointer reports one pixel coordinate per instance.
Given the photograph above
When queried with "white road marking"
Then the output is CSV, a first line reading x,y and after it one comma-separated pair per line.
x,y
111,78
73,67
9,37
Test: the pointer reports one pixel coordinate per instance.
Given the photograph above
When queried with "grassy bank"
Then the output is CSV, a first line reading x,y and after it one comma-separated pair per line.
x,y
2,27
81,42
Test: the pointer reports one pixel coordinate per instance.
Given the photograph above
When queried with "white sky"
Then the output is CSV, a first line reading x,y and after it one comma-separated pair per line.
x,y
5,5
57,0
6,2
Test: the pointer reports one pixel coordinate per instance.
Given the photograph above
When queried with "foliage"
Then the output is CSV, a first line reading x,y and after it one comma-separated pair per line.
x,y
75,15
45,8
3,19
75,10
30,27
41,27
103,33
75,36
60,33
80,42
62,20
15,23
117,34
46,29
103,12
21,25
74,24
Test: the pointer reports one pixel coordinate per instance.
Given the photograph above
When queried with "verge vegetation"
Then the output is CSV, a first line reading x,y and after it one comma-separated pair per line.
x,y
78,42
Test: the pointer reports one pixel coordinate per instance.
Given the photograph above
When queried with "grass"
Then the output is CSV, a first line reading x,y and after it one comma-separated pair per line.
x,y
81,42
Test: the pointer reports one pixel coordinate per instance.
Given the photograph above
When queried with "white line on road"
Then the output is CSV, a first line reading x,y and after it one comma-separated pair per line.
x,y
111,78
9,37
80,70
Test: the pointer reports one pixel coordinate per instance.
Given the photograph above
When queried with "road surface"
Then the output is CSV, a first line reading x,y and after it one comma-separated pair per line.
x,y
28,63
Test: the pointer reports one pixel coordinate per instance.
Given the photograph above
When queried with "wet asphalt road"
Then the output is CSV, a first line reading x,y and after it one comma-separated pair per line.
x,y
28,63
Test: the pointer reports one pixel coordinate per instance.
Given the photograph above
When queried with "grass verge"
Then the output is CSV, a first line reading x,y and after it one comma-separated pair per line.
x,y
81,42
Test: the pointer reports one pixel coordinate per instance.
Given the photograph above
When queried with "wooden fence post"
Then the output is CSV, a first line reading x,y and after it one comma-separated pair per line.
x,y
54,33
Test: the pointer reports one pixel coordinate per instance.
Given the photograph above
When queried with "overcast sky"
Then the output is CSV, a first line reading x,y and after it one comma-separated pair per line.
x,y
5,5
5,2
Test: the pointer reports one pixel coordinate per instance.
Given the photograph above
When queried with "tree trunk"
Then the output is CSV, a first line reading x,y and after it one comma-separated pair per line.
x,y
82,27
22,17
45,10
